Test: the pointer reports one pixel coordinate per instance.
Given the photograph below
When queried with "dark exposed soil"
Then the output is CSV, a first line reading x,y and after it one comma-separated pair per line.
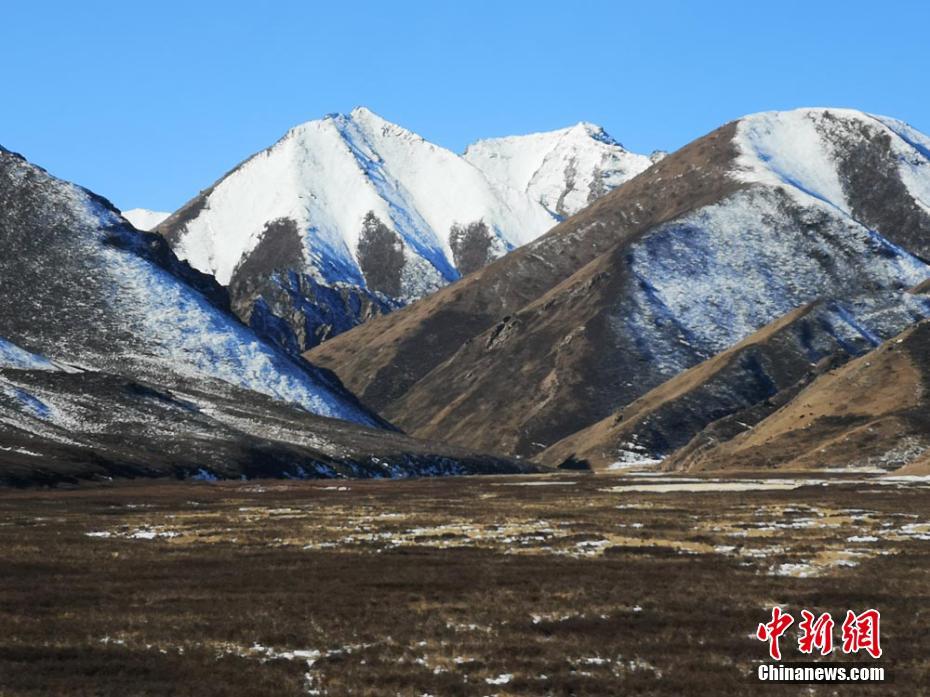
x,y
472,246
381,257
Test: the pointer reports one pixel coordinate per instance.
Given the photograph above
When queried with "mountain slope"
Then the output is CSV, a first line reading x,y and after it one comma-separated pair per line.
x,y
743,383
117,358
871,412
350,217
692,256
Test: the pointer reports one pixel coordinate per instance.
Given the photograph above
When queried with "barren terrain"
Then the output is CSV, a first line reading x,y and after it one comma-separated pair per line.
x,y
563,584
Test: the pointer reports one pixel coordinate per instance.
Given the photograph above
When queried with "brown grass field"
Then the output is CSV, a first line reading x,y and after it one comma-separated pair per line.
x,y
548,585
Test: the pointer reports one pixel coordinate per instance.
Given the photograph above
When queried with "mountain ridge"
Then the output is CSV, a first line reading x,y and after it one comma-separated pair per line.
x,y
119,360
411,218
745,238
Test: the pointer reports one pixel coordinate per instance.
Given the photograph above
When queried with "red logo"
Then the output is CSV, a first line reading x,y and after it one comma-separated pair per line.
x,y
860,632
772,631
816,634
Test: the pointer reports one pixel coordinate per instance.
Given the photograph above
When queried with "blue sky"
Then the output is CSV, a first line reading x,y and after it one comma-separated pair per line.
x,y
148,102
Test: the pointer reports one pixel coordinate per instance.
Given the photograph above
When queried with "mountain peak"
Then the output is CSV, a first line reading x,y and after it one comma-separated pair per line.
x,y
565,169
592,130
363,111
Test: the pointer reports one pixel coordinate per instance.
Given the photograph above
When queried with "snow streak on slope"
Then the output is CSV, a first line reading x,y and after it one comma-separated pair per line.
x,y
12,356
327,176
143,218
712,278
564,170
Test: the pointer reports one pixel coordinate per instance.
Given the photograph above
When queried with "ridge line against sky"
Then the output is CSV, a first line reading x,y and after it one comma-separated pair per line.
x,y
149,104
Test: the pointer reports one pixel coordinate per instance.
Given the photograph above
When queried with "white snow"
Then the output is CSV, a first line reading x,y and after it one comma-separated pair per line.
x,y
198,340
567,161
143,218
718,275
326,175
786,147
793,148
717,485
20,451
501,679
175,330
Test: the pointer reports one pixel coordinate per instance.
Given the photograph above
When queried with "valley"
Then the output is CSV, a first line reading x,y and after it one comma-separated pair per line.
x,y
464,350
615,583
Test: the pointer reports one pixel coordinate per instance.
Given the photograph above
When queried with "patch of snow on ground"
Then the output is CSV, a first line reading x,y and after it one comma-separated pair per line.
x,y
717,485
501,679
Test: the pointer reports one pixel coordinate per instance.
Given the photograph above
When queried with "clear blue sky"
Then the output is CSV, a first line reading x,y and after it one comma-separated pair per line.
x,y
148,102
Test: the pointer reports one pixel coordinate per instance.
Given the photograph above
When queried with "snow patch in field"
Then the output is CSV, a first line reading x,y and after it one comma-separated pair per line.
x,y
717,485
501,679
542,483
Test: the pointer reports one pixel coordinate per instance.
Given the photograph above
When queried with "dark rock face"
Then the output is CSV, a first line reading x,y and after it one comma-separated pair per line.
x,y
289,308
296,312
868,170
278,249
381,257
597,188
472,246
569,174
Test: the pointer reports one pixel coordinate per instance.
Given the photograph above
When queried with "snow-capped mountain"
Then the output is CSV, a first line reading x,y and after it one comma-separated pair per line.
x,y
351,216
143,218
712,243
564,170
115,357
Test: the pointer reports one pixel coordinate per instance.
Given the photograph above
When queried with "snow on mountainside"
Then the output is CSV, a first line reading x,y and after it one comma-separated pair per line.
x,y
703,249
143,218
117,359
564,170
351,216
328,175
802,149
90,291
